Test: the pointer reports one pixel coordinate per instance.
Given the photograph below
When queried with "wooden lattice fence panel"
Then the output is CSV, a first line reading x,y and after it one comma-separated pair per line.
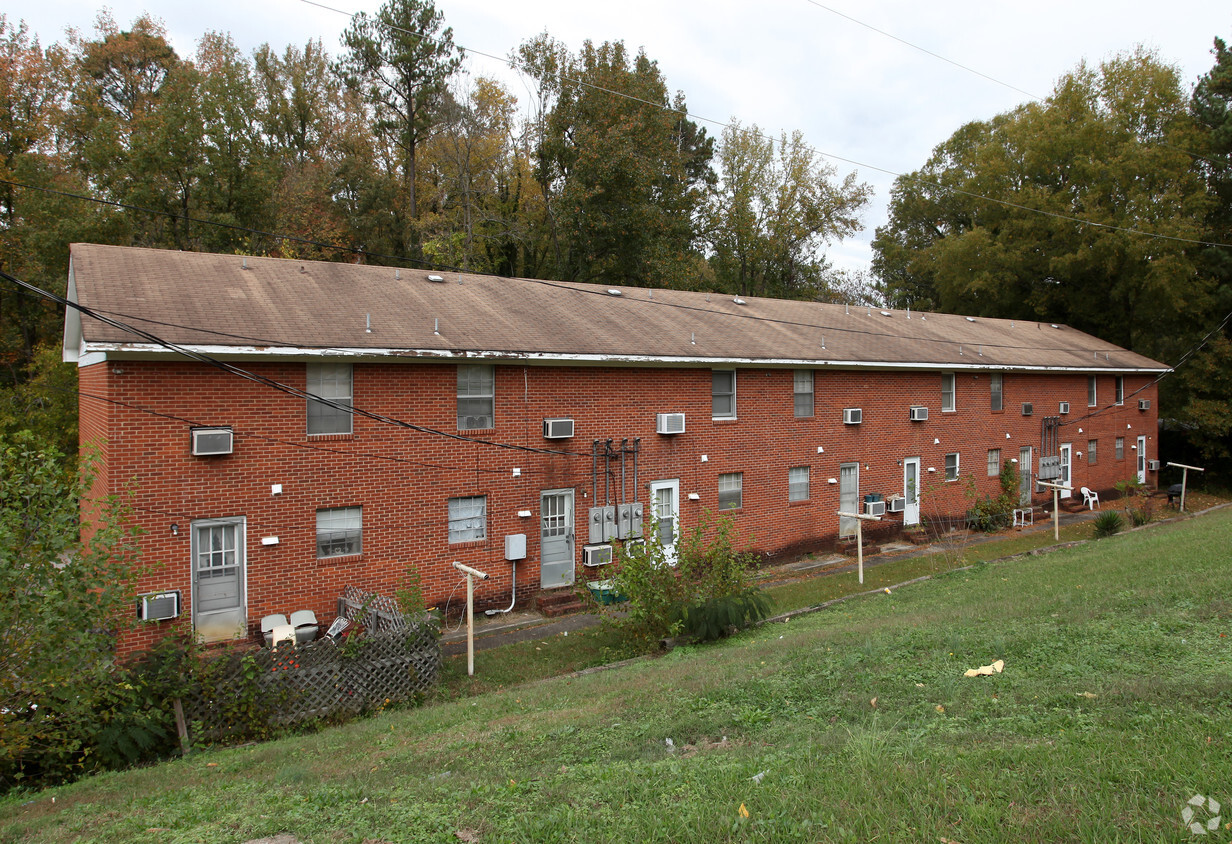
x,y
240,694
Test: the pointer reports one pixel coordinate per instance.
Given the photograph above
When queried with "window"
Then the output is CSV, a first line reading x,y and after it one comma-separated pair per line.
x,y
329,381
951,465
803,379
947,392
994,462
468,519
730,488
723,393
1120,389
1092,454
1091,391
1120,448
476,397
798,483
994,387
339,531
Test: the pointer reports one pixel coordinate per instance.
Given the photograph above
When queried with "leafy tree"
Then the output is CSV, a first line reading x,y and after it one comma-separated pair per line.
x,y
65,589
776,204
621,167
401,59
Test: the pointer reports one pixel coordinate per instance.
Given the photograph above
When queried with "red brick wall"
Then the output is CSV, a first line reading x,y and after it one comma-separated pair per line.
x,y
404,478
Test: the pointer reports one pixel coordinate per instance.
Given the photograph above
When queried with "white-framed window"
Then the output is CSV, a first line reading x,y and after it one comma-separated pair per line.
x,y
1120,389
476,397
947,392
994,462
996,397
802,380
723,393
339,531
330,381
731,487
798,483
951,466
1120,448
1092,454
1091,391
468,518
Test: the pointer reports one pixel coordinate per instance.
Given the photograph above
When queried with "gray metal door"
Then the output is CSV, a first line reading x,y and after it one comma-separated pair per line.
x,y
218,579
556,538
848,496
1026,477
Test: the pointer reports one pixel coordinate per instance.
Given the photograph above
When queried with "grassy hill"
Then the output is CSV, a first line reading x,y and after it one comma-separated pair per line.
x,y
851,724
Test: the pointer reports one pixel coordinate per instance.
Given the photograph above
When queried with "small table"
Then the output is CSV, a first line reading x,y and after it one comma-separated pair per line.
x,y
1024,516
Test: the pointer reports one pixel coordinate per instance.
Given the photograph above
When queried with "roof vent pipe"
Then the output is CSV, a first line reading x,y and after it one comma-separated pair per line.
x,y
436,326
397,274
368,323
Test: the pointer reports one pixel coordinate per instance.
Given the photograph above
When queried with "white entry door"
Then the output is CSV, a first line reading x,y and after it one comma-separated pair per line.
x,y
556,538
1141,460
1066,478
848,497
911,491
665,501
218,582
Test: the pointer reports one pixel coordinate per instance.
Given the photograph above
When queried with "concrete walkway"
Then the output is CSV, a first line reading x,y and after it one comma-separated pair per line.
x,y
524,625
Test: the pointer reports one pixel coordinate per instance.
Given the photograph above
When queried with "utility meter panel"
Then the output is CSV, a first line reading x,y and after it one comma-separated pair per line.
x,y
629,521
602,524
515,546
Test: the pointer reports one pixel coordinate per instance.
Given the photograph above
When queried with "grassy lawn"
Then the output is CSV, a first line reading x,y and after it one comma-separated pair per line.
x,y
851,724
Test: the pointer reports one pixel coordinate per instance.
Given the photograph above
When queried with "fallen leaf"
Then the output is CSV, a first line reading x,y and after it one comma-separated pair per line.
x,y
985,670
1088,695
211,764
469,836
940,708
744,813
873,703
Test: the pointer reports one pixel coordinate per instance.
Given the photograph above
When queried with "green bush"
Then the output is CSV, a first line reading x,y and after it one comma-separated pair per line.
x,y
1107,523
992,514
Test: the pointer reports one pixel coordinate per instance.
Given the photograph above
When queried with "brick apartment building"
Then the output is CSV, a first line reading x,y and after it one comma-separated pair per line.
x,y
461,410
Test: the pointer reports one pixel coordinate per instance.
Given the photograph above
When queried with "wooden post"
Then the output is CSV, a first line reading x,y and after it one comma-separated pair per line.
x,y
471,574
860,520
1056,506
1185,478
181,726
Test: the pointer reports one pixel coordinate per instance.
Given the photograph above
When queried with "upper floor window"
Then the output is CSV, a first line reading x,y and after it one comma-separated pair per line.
x,y
994,388
1091,391
723,393
1120,389
468,518
803,387
947,392
731,487
331,381
339,531
476,397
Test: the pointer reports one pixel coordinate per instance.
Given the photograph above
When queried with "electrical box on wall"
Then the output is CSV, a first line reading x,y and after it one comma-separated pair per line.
x,y
515,546
602,524
628,520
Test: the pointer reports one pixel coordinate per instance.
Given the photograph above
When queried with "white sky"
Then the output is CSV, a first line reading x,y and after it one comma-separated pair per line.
x,y
780,64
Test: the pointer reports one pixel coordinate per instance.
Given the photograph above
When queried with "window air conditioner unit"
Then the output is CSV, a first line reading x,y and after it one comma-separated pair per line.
x,y
669,423
1064,407
852,416
1152,465
919,414
898,505
596,555
1027,409
160,606
1144,404
478,423
207,442
874,508
557,429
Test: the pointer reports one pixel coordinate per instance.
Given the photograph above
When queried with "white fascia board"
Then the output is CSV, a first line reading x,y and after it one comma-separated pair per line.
x,y
153,350
74,343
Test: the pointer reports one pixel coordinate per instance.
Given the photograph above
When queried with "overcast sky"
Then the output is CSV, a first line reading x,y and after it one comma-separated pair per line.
x,y
781,64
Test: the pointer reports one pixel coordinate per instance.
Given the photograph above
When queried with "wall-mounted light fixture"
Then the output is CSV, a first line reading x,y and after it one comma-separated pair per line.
x,y
175,529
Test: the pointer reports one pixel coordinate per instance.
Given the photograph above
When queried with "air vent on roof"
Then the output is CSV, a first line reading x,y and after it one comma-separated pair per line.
x,y
612,291
970,319
208,442
739,301
852,415
557,429
437,278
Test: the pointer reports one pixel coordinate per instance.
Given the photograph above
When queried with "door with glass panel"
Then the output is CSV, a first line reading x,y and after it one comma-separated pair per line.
x,y
1067,452
1026,475
665,504
556,538
848,497
911,491
218,579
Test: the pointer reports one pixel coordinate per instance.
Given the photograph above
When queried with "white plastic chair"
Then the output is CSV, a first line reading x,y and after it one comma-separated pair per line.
x,y
282,633
305,624
1091,499
269,623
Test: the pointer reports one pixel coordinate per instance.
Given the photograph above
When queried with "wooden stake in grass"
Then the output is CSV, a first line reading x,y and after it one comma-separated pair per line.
x,y
860,520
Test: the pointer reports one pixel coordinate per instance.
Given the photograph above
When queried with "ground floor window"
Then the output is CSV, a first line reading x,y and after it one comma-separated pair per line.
x,y
798,483
339,531
951,466
468,518
731,487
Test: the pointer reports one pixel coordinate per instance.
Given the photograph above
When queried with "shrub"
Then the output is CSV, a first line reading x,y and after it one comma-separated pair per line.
x,y
1107,523
993,514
